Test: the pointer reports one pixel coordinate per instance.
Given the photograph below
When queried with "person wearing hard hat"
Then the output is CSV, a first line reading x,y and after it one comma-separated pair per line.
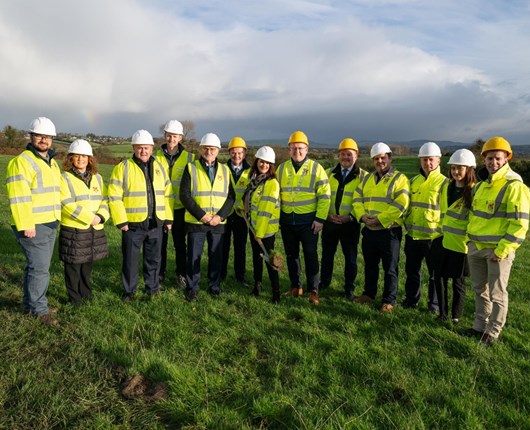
x,y
423,224
174,158
33,187
305,199
448,252
260,205
498,223
208,196
380,202
84,209
341,225
235,224
139,200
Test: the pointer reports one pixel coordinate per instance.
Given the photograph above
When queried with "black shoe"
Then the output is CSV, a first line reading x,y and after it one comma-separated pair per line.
x,y
441,318
322,286
348,294
215,292
191,296
127,297
471,332
409,305
257,289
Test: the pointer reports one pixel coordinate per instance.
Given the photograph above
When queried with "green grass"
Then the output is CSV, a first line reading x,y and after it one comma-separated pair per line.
x,y
238,362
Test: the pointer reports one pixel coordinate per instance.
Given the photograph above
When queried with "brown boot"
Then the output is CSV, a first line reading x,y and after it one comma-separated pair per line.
x,y
295,292
313,297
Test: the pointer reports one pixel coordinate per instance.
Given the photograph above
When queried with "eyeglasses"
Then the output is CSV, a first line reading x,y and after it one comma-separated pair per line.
x,y
42,137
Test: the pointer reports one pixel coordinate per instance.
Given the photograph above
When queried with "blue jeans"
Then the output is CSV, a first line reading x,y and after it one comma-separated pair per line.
x,y
38,252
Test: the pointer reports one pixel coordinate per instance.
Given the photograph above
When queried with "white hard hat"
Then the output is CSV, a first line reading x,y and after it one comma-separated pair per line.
x,y
380,148
463,157
80,146
174,126
42,125
429,149
210,139
266,153
142,137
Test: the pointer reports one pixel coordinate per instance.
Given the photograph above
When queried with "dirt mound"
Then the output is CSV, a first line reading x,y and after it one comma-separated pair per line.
x,y
138,386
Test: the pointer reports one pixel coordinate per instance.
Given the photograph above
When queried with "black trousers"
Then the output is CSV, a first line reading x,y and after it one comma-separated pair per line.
x,y
132,243
348,237
77,278
179,242
293,236
415,252
196,241
381,245
257,260
235,227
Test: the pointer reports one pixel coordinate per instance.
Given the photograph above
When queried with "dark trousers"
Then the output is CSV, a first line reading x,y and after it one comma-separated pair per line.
x,y
348,236
381,245
293,236
196,241
257,260
459,296
179,242
415,252
237,228
132,243
77,279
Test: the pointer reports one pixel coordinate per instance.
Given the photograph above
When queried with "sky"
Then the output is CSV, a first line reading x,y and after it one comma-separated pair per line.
x,y
373,70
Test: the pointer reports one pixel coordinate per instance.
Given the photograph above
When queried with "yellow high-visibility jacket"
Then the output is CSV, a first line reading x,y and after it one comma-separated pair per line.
x,y
239,187
209,197
346,203
388,198
499,212
128,193
424,215
305,191
265,208
33,190
454,224
175,174
80,204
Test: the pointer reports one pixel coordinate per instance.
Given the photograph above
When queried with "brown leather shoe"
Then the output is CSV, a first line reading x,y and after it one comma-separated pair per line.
x,y
362,299
53,310
313,298
387,308
295,292
47,320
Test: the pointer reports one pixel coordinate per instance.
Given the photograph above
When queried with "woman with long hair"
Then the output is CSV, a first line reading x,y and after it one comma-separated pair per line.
x,y
450,250
261,209
84,209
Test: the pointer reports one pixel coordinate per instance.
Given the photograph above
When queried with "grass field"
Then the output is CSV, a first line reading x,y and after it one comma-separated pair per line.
x,y
239,362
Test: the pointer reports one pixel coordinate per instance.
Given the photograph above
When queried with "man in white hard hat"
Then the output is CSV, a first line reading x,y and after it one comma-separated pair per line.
x,y
139,200
423,222
380,202
208,197
341,226
236,226
174,157
33,188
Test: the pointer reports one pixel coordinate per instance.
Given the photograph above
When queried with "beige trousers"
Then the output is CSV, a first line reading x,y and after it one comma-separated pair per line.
x,y
489,280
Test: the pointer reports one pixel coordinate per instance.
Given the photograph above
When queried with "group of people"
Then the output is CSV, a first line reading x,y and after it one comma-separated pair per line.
x,y
468,224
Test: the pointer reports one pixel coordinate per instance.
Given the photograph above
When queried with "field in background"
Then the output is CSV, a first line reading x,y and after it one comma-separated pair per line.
x,y
238,362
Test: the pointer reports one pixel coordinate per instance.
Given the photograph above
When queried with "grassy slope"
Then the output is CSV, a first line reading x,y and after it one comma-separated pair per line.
x,y
240,362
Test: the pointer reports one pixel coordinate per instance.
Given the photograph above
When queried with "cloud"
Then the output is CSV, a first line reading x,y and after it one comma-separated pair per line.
x,y
392,70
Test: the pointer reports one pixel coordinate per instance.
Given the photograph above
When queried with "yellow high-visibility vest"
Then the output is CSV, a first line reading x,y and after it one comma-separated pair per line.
x,y
454,225
128,193
239,187
499,212
387,199
423,218
265,208
33,190
346,204
306,190
209,197
175,174
80,203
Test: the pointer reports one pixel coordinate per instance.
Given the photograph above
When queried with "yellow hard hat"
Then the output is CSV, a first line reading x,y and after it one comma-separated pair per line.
x,y
348,143
298,137
497,143
237,142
